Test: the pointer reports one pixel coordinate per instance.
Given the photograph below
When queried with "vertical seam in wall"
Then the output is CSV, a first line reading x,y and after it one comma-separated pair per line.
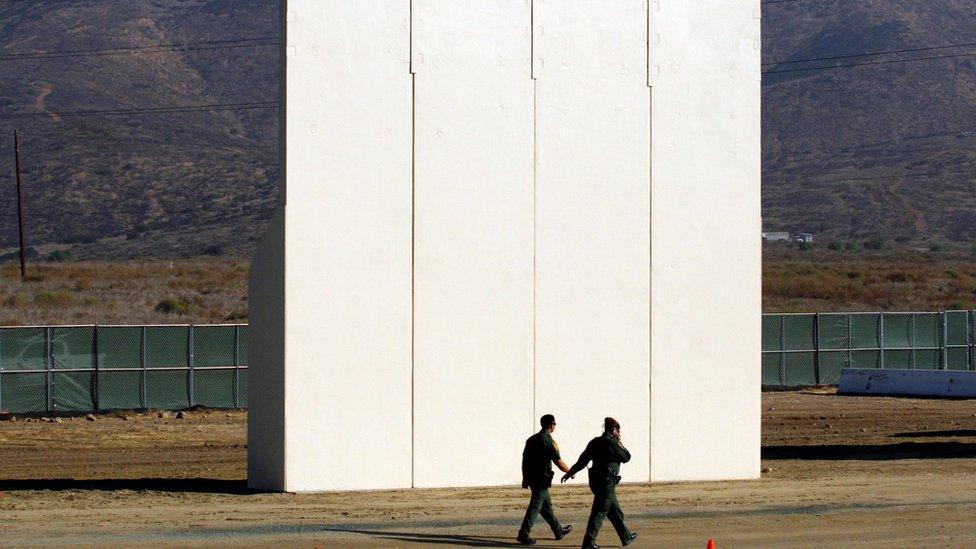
x,y
413,254
650,239
650,266
535,240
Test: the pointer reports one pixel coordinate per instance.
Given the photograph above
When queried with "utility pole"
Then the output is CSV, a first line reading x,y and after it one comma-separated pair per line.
x,y
20,207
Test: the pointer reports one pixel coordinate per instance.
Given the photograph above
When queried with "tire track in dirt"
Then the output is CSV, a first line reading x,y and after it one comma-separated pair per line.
x,y
385,530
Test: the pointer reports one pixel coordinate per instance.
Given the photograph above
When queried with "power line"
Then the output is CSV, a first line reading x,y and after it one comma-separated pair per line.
x,y
262,41
881,177
871,63
260,105
870,54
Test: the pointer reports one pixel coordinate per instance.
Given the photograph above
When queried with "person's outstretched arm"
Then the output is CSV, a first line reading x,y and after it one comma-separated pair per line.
x,y
562,465
580,464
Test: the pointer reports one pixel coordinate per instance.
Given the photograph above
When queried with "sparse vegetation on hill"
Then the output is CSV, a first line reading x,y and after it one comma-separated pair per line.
x,y
880,151
884,149
119,186
213,290
200,291
825,280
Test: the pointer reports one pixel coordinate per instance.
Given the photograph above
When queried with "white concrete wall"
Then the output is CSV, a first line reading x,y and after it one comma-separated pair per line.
x,y
348,217
593,221
473,274
496,210
706,263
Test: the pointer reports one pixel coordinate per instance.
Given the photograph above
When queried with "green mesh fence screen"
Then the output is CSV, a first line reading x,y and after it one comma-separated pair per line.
x,y
167,347
23,349
811,349
85,368
89,368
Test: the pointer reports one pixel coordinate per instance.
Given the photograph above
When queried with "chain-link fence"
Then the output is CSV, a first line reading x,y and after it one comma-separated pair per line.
x,y
812,349
93,368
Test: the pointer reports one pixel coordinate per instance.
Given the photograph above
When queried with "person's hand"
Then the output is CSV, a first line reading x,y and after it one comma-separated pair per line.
x,y
566,477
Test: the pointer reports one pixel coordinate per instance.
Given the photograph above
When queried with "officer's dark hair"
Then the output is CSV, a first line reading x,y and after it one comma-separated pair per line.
x,y
609,424
547,420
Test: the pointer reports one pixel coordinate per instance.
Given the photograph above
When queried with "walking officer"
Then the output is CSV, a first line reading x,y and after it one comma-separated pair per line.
x,y
541,451
607,453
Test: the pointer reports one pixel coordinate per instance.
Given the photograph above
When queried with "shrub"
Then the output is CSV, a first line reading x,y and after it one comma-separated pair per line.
x,y
213,250
936,247
851,246
236,316
173,305
59,256
897,277
876,243
15,300
835,246
52,299
804,246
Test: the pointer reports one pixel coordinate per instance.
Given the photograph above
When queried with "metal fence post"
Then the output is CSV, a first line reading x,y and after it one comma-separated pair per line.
x,y
189,362
850,344
944,336
142,363
237,365
816,348
911,344
95,362
782,349
49,366
969,340
881,341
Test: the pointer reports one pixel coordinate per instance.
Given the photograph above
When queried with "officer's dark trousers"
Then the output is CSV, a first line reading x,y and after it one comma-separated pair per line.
x,y
605,506
540,504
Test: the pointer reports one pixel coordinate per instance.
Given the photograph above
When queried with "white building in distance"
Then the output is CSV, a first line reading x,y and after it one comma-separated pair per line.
x,y
498,209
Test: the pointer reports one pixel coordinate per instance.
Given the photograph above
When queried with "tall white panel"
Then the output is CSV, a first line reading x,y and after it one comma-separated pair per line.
x,y
348,246
705,378
592,221
473,270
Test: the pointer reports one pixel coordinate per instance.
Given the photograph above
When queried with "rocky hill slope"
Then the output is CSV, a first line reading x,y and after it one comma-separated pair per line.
x,y
121,184
884,148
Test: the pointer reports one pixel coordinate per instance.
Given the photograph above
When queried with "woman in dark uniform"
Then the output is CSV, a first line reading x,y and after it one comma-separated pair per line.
x,y
607,453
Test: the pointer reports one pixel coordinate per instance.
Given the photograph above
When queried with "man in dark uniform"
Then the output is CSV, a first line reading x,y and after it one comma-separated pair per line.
x,y
607,453
541,451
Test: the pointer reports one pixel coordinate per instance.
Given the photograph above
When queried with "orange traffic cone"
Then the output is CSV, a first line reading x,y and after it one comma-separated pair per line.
x,y
711,544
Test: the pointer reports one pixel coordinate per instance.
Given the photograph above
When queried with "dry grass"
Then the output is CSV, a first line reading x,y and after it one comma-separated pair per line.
x,y
214,290
898,280
132,292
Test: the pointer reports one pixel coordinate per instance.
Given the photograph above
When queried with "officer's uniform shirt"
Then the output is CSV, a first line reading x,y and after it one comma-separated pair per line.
x,y
541,451
605,452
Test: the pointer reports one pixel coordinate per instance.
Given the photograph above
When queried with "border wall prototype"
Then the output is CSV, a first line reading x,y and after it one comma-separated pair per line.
x,y
499,209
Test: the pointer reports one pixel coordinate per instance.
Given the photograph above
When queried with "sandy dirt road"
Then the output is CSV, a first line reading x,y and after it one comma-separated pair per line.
x,y
838,471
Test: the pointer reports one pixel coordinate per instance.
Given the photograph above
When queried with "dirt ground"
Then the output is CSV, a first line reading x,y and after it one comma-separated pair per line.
x,y
838,471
